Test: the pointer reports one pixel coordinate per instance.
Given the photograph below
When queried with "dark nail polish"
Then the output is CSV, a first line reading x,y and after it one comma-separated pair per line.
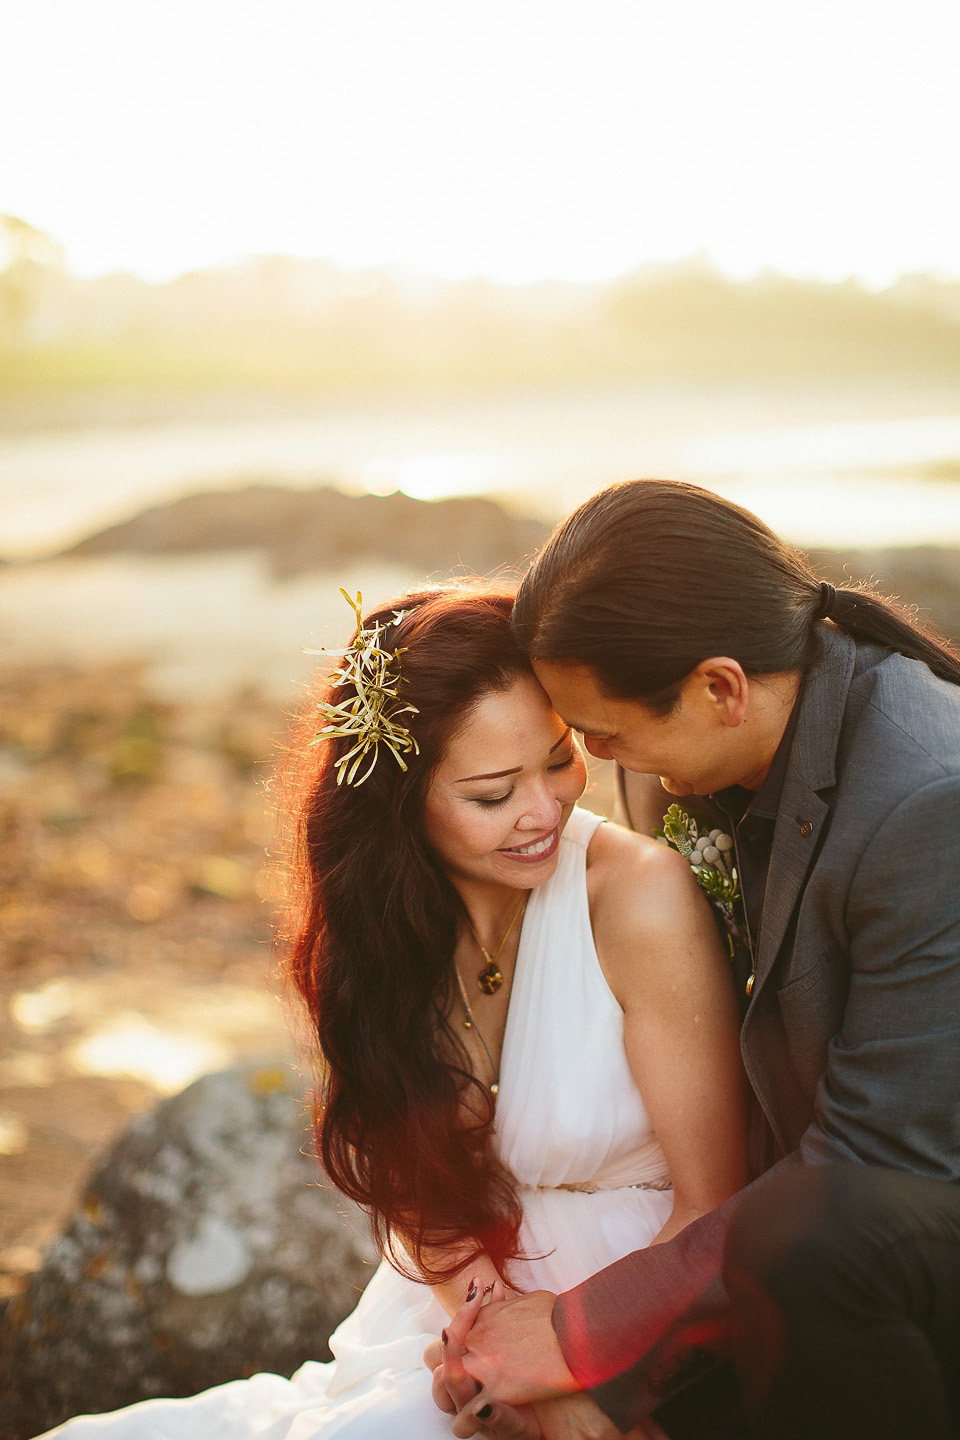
x,y
484,1412
472,1292
444,1337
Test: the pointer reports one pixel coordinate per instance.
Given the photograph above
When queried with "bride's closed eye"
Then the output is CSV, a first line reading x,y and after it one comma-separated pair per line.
x,y
490,802
567,762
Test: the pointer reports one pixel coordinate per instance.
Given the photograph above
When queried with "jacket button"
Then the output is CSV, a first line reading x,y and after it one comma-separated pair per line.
x,y
805,828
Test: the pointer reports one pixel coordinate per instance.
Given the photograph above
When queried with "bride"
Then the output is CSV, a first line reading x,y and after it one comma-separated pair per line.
x,y
530,1063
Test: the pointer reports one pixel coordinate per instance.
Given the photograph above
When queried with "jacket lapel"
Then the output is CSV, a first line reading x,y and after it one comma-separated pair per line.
x,y
802,812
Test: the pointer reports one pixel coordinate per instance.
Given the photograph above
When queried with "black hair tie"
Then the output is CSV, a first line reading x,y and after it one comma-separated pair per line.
x,y
828,596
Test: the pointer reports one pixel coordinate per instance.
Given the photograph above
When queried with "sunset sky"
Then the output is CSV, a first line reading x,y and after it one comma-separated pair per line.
x,y
520,139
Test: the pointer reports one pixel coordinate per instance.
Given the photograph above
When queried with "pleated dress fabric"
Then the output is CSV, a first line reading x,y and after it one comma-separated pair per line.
x,y
571,1126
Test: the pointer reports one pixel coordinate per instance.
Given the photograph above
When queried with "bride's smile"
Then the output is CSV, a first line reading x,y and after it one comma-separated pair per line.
x,y
538,850
503,791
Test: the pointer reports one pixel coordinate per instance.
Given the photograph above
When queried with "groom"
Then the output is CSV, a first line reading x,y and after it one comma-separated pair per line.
x,y
821,728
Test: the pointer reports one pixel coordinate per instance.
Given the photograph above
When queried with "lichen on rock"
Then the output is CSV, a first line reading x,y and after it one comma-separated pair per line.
x,y
205,1247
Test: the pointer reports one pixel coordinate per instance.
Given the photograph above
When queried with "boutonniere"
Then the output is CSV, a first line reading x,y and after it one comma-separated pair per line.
x,y
713,861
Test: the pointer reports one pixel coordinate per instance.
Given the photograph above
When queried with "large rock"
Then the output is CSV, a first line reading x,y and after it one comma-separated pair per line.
x,y
321,529
205,1248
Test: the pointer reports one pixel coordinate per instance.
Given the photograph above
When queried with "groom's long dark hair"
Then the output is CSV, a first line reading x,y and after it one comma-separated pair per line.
x,y
649,577
402,1125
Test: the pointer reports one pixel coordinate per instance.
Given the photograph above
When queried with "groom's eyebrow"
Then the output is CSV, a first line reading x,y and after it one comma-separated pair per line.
x,y
499,774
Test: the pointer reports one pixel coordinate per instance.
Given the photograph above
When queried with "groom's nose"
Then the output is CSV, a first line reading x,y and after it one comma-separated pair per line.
x,y
598,748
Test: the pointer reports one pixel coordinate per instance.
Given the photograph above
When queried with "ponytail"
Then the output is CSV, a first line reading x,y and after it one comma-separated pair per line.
x,y
877,620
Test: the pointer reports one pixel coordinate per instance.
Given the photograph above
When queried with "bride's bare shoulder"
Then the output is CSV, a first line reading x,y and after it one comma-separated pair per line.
x,y
650,920
612,847
625,867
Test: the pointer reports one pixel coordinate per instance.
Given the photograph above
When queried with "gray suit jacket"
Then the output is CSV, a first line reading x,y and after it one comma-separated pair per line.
x,y
852,1037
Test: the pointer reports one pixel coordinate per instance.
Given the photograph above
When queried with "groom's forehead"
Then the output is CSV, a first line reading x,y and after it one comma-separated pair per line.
x,y
573,683
585,713
587,720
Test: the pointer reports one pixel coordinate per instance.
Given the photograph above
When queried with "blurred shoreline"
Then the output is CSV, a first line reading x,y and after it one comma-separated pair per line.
x,y
843,460
228,589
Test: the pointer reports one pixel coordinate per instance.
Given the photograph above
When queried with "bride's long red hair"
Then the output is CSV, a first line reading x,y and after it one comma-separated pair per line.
x,y
402,1125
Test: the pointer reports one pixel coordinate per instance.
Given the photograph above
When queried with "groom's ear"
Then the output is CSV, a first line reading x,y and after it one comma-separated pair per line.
x,y
724,688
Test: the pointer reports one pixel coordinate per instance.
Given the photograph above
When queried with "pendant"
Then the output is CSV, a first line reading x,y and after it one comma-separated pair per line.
x,y
494,1088
490,978
750,982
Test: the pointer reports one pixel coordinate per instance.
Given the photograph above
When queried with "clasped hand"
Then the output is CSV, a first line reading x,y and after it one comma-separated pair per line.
x,y
499,1371
460,1393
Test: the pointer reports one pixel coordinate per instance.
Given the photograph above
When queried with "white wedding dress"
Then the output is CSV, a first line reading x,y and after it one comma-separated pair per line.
x,y
572,1128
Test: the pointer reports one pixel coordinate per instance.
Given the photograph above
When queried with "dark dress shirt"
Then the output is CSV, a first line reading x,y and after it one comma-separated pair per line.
x,y
752,816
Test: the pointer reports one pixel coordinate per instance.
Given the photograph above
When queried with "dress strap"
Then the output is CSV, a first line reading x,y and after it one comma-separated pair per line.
x,y
582,826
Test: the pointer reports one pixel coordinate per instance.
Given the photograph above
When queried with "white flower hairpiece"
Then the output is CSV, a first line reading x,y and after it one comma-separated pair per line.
x,y
370,716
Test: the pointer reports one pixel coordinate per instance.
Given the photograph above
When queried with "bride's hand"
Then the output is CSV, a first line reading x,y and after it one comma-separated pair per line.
x,y
453,1388
514,1353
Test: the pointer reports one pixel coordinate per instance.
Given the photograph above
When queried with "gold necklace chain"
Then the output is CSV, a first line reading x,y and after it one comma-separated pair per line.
x,y
490,977
471,1024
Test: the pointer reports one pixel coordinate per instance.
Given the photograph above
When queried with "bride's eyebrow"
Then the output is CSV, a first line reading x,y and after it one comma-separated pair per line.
x,y
499,774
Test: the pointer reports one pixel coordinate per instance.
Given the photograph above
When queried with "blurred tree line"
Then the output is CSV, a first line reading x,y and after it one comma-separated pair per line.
x,y
289,324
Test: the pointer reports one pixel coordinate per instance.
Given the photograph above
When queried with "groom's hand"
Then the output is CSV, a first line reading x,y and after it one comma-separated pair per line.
x,y
454,1388
512,1351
